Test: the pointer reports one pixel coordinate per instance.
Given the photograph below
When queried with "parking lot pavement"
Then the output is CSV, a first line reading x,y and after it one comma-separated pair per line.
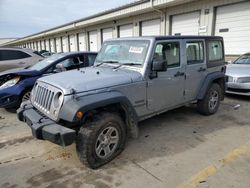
x,y
11,129
179,148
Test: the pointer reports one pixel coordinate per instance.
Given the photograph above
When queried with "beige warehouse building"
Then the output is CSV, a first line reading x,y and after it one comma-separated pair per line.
x,y
227,18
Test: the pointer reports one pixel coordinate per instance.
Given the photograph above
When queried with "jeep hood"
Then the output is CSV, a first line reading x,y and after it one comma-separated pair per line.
x,y
91,78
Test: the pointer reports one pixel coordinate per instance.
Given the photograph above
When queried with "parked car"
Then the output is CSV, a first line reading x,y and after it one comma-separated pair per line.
x,y
238,73
17,58
15,85
46,53
133,79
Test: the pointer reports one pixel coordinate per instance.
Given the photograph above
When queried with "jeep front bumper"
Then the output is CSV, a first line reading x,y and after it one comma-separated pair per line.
x,y
44,128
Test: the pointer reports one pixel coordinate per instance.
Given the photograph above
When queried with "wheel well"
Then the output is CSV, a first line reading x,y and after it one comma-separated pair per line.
x,y
24,91
123,111
221,83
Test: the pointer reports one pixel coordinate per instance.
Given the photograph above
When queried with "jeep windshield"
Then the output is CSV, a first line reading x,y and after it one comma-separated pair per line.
x,y
123,52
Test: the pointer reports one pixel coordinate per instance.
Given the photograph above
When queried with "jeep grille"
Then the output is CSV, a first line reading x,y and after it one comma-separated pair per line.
x,y
42,99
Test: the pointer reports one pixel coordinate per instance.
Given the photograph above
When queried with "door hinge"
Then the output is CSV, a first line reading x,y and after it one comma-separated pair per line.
x,y
184,92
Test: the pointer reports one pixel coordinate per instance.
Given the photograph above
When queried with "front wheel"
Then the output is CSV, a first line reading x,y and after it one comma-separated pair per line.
x,y
211,102
26,96
102,140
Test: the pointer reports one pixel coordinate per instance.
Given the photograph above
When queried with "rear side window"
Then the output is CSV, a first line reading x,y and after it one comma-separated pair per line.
x,y
12,55
215,50
195,52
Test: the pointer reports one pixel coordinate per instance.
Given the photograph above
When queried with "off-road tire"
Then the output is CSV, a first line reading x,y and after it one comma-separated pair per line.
x,y
88,135
203,105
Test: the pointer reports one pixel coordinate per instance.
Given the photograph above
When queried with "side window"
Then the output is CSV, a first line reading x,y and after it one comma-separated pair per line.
x,y
70,63
215,50
169,51
12,55
91,59
195,52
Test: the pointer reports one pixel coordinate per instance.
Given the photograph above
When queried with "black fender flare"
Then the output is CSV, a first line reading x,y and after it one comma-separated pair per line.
x,y
210,78
98,100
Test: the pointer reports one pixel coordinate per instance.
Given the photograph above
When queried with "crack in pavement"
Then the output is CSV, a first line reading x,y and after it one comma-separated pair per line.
x,y
148,172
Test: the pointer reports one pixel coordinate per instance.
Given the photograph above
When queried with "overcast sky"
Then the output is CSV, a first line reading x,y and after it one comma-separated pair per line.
x,y
19,18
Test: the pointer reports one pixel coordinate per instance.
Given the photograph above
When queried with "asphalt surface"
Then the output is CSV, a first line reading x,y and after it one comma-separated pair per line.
x,y
180,148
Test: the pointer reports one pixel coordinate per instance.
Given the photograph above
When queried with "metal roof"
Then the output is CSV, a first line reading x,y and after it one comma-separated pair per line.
x,y
88,17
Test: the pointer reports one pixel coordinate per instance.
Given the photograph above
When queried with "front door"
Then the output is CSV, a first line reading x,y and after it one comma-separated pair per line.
x,y
195,68
166,90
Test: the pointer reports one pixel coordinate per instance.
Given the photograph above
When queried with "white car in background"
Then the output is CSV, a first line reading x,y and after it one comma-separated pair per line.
x,y
18,58
239,76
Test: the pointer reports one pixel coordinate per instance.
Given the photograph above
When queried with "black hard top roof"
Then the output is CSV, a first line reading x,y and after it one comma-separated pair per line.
x,y
188,37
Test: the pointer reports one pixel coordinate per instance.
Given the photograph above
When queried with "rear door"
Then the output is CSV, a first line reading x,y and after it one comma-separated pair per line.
x,y
195,67
166,90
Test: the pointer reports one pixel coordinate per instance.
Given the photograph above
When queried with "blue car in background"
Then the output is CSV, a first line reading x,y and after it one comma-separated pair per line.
x,y
16,84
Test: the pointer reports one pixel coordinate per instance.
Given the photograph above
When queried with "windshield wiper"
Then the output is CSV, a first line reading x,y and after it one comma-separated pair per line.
x,y
110,62
114,62
131,64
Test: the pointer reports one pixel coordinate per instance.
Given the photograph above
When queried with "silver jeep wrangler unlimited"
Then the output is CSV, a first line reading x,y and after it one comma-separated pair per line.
x,y
133,79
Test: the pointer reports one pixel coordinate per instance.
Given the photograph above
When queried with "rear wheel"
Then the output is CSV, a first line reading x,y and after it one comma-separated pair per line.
x,y
211,102
102,140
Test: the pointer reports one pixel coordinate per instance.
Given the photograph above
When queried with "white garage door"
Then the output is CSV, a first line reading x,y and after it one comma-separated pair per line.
x,y
42,45
233,23
72,41
126,30
107,34
58,45
52,45
82,42
186,24
65,44
39,45
152,27
47,46
36,45
93,41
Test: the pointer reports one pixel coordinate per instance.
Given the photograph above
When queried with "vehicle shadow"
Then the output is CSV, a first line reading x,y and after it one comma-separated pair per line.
x,y
11,110
183,129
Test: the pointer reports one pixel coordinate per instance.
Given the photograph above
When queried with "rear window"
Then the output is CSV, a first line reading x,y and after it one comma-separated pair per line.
x,y
12,55
37,53
215,50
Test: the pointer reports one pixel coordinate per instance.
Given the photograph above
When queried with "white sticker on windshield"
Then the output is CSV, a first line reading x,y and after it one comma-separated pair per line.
x,y
137,50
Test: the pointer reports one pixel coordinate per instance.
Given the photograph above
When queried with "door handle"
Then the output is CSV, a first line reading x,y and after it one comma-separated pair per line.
x,y
179,74
21,63
201,69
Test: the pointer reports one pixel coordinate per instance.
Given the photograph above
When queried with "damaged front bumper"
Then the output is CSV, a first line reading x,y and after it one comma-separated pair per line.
x,y
44,128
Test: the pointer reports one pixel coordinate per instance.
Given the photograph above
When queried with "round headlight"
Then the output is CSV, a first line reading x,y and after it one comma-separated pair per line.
x,y
58,100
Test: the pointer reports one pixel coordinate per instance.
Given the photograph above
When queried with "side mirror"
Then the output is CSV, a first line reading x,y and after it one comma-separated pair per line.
x,y
159,65
60,68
